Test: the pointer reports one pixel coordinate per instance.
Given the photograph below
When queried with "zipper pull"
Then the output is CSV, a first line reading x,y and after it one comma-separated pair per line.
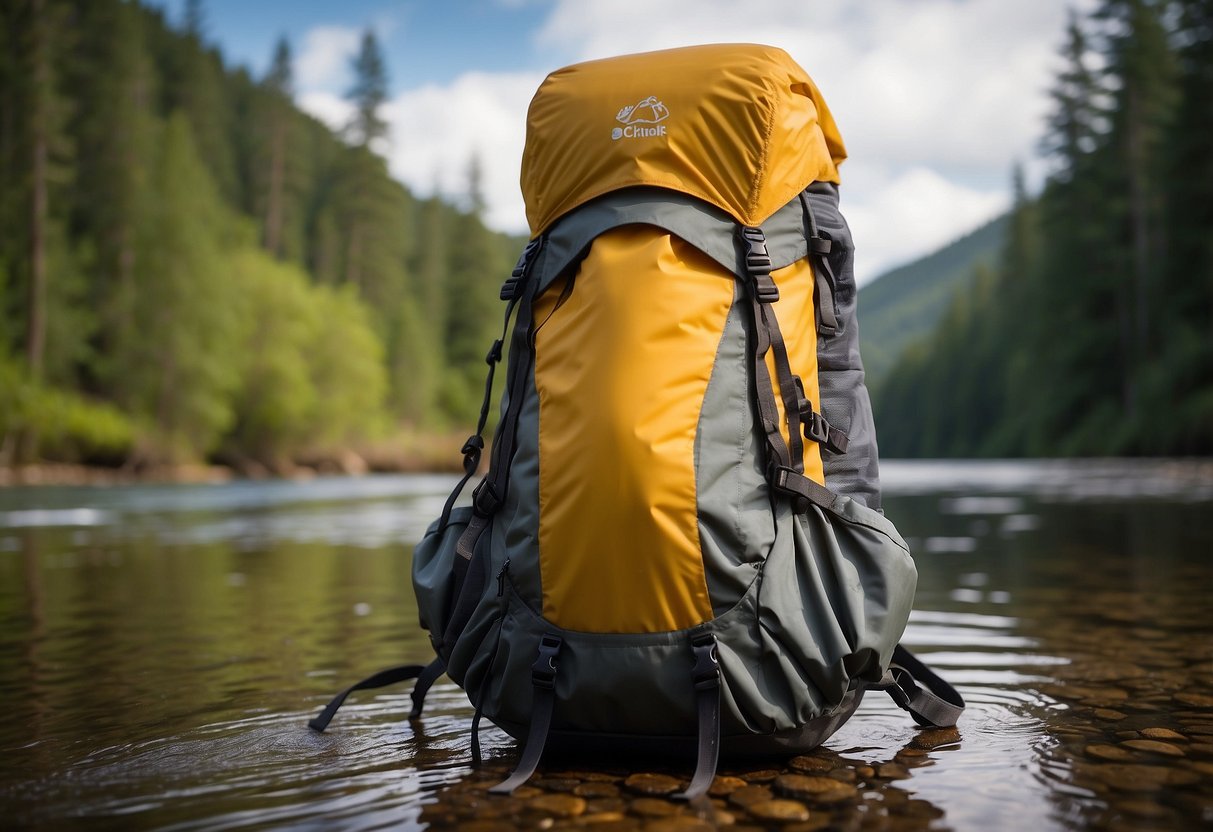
x,y
505,568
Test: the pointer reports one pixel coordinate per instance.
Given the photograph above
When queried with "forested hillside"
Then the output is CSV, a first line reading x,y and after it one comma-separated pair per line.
x,y
192,268
906,304
1093,334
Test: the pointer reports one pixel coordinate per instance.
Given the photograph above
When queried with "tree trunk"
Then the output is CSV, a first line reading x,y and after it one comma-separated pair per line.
x,y
273,214
35,335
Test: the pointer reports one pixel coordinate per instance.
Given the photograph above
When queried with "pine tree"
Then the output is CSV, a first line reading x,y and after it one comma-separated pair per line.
x,y
197,89
179,363
43,109
1187,305
117,128
1141,67
368,94
276,117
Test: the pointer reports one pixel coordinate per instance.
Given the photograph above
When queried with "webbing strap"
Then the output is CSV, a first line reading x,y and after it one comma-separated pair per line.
x,y
706,676
797,485
424,682
490,494
381,679
820,247
938,704
543,684
762,291
789,387
474,446
476,734
785,463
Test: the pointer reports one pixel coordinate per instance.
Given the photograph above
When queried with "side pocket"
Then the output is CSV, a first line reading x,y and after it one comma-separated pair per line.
x,y
835,603
434,576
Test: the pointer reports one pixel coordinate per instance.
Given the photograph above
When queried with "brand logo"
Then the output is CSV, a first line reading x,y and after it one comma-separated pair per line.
x,y
641,120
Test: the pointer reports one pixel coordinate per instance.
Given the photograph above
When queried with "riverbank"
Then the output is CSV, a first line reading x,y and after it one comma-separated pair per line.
x,y
404,453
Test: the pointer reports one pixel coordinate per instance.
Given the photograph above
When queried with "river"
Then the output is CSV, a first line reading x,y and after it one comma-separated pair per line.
x,y
162,648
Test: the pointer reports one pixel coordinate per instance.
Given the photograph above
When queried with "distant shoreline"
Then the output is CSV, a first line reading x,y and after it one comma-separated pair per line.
x,y
419,453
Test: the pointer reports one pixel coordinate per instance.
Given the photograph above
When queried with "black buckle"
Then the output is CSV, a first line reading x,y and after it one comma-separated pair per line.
x,y
758,264
485,499
822,432
706,672
509,289
821,245
471,453
494,354
543,671
815,426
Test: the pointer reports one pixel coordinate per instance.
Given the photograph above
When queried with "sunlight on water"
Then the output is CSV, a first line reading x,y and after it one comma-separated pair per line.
x,y
162,648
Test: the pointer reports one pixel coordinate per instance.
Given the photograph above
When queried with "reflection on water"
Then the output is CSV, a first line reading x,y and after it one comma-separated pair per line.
x,y
161,650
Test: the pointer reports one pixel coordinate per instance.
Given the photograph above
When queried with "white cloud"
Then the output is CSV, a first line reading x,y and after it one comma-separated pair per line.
x,y
437,129
332,109
936,99
912,214
324,61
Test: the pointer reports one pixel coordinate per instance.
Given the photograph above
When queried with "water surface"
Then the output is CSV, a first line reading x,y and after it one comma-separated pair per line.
x,y
161,649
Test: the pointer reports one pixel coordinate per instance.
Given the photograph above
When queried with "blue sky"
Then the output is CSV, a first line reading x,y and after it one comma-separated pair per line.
x,y
426,42
936,99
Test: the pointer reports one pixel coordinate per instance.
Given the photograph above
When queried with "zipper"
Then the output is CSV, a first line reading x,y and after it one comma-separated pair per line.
x,y
505,569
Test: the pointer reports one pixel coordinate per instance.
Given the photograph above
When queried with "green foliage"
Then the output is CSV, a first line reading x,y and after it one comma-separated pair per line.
x,y
165,334
347,370
177,363
62,425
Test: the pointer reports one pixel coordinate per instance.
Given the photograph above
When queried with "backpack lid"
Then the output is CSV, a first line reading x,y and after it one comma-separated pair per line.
x,y
740,126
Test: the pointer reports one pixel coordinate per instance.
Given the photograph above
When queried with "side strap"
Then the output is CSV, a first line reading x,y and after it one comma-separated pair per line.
x,y
424,682
473,448
820,247
543,683
381,679
762,292
491,492
938,704
706,676
476,736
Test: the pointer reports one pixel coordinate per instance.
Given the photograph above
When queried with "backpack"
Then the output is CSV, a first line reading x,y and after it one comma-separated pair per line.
x,y
678,543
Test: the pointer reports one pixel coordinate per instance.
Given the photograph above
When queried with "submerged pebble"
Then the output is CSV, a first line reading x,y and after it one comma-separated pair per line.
x,y
780,811
652,784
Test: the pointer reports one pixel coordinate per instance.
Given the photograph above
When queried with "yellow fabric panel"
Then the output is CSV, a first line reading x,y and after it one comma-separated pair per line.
x,y
798,323
740,126
621,368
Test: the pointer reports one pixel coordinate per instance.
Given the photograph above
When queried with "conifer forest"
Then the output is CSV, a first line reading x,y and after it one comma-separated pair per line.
x,y
1093,333
193,269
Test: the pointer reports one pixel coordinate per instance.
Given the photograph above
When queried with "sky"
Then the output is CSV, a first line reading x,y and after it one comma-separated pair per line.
x,y
936,100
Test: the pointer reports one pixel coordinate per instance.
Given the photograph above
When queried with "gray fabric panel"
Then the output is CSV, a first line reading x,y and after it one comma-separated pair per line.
x,y
517,522
844,396
832,603
707,228
736,528
604,682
